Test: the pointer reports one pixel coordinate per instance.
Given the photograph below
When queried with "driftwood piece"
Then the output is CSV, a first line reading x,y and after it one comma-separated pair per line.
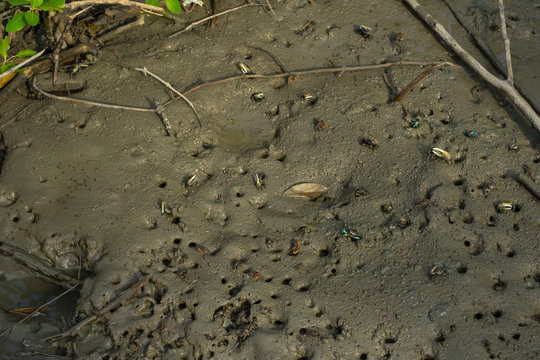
x,y
37,265
519,101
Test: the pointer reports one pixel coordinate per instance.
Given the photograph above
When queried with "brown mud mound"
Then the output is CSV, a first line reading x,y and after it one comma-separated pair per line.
x,y
405,255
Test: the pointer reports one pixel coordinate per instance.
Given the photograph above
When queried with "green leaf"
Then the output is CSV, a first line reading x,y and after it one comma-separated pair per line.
x,y
16,23
18,71
173,6
6,67
26,53
31,18
35,3
19,2
4,47
52,5
153,3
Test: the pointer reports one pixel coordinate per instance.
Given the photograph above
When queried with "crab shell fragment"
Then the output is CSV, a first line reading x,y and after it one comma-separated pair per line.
x,y
306,190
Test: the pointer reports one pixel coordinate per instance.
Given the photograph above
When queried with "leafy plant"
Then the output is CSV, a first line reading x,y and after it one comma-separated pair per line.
x,y
31,16
8,62
172,5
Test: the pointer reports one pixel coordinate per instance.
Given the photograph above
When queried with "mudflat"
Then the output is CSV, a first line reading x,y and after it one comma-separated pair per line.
x,y
396,253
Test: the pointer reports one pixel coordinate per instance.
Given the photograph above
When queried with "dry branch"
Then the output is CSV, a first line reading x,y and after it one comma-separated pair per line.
x,y
415,82
507,53
519,101
170,87
294,74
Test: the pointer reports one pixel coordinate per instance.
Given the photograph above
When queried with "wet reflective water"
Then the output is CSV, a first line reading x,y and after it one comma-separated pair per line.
x,y
20,289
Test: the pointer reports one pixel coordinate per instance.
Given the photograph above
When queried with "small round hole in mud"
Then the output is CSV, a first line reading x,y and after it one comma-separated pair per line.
x,y
302,331
274,296
279,323
497,314
286,281
223,281
166,262
440,337
303,288
462,269
467,243
163,184
363,357
516,227
176,241
510,254
458,182
389,340
323,253
15,219
516,336
192,244
499,285
182,306
478,316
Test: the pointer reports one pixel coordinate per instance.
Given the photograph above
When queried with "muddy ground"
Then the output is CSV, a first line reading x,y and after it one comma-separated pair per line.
x,y
405,256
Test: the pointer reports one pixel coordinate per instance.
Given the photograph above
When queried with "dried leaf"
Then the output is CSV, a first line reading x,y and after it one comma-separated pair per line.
x,y
22,311
306,190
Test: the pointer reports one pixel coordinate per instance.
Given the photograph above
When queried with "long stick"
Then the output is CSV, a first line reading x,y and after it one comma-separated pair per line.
x,y
92,103
492,58
509,70
293,74
415,82
20,65
502,85
170,87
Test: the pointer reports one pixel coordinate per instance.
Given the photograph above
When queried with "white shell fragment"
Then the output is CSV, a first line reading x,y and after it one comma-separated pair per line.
x,y
306,190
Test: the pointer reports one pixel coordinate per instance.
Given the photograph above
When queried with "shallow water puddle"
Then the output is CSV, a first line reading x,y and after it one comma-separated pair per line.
x,y
20,289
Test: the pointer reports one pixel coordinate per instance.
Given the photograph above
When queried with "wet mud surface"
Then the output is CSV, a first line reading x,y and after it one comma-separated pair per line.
x,y
405,256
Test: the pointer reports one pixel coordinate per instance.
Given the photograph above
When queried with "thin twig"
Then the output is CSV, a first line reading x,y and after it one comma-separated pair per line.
x,y
517,99
509,70
20,65
309,72
415,82
270,7
92,103
170,87
124,296
192,25
38,309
